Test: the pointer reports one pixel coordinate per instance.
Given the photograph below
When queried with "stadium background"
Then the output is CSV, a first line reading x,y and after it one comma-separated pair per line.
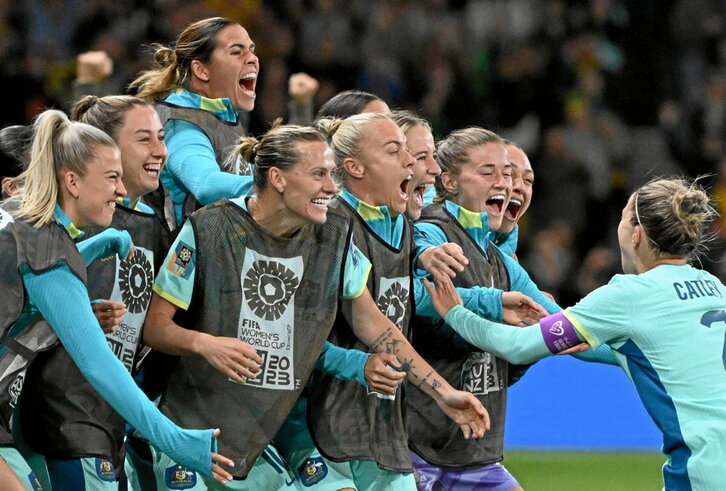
x,y
602,94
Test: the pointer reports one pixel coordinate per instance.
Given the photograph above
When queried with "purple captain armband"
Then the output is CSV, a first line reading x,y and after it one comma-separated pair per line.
x,y
558,332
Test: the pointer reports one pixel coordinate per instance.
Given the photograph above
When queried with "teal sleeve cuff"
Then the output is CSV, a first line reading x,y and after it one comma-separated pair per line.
x,y
344,364
104,244
487,302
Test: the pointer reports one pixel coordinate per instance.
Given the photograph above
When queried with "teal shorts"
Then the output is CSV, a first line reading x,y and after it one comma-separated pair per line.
x,y
20,467
84,474
313,471
269,473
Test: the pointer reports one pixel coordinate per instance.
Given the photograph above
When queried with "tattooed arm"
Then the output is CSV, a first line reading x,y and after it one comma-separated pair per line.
x,y
381,335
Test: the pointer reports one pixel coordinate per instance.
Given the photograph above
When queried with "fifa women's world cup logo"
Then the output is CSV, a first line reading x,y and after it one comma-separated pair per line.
x,y
135,278
269,286
267,316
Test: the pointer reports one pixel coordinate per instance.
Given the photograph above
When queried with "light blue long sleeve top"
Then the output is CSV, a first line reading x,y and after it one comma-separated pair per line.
x,y
77,329
192,165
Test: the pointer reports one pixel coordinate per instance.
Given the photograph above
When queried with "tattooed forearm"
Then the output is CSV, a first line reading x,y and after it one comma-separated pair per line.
x,y
423,380
392,346
435,384
382,338
407,365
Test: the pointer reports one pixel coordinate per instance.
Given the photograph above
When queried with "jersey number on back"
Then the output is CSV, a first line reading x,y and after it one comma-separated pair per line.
x,y
715,316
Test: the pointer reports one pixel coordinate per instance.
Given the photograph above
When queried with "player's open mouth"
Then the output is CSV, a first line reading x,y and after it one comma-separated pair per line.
x,y
247,83
418,194
512,210
404,187
321,201
152,169
495,204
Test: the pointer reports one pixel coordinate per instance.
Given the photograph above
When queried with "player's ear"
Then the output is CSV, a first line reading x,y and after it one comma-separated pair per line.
x,y
638,235
449,182
276,179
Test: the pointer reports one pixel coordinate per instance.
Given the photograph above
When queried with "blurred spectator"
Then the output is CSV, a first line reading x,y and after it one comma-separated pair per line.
x,y
603,94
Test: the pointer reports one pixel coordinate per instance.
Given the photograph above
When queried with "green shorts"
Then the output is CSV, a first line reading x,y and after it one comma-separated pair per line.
x,y
269,473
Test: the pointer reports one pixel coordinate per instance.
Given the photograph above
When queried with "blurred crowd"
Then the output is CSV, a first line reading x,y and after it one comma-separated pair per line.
x,y
601,94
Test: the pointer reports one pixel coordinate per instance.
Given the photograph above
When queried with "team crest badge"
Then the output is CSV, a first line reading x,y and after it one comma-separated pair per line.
x,y
182,261
312,471
105,470
34,482
180,477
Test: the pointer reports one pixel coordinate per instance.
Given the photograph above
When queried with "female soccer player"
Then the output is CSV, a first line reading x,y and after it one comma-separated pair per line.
x,y
507,237
266,269
65,419
370,153
72,182
349,102
664,319
200,85
420,143
472,195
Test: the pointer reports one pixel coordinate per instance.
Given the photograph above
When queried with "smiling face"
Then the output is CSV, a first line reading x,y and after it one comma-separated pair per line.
x,y
232,71
309,184
143,152
521,194
385,164
95,193
484,182
420,144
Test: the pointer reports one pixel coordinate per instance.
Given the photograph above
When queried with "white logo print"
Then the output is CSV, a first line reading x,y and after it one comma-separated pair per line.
x,y
5,218
134,278
267,316
393,300
557,329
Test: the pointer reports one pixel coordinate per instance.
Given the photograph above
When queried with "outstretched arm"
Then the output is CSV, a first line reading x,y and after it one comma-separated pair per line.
x,y
77,329
516,345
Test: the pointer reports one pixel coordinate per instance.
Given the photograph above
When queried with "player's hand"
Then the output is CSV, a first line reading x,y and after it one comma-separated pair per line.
x,y
93,67
302,88
520,310
467,411
383,373
575,349
444,296
231,356
109,314
218,473
446,259
132,252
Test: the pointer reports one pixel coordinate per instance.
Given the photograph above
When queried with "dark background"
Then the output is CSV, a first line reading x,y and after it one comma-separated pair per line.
x,y
602,94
